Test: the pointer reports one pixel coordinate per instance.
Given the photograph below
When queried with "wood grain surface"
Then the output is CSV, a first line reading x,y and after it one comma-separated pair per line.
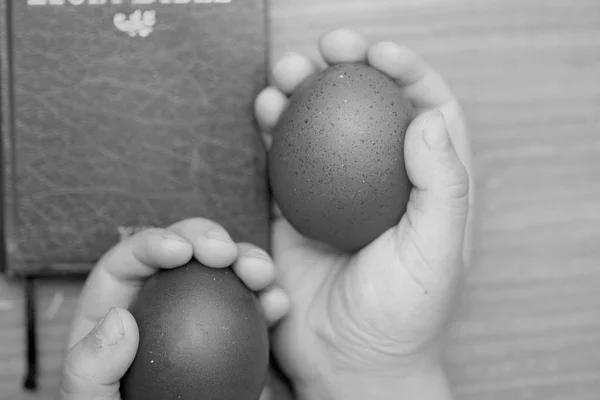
x,y
528,75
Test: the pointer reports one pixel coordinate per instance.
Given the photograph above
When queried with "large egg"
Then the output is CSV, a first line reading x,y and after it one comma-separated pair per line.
x,y
202,336
336,165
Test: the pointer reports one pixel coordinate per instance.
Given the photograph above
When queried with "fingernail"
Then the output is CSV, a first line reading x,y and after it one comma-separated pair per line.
x,y
168,235
435,134
219,234
110,329
258,253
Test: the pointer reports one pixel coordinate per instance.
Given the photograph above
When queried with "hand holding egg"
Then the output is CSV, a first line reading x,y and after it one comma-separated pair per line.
x,y
370,293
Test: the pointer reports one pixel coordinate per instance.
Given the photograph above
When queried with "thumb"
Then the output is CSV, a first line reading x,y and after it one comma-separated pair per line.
x,y
436,216
95,365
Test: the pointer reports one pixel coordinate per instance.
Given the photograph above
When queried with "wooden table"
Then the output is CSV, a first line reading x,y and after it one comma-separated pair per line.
x,y
528,74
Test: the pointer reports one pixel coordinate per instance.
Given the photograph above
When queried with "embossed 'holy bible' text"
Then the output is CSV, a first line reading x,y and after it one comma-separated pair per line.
x,y
118,2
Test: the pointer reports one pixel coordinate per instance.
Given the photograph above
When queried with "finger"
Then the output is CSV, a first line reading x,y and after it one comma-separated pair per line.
x,y
95,365
140,255
254,267
424,87
343,45
291,70
275,211
436,215
212,244
275,303
266,394
119,274
461,140
268,107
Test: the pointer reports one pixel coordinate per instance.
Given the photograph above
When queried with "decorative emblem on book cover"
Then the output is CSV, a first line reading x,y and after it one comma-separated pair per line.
x,y
138,23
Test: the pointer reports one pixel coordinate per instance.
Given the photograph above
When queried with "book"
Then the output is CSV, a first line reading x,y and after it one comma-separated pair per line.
x,y
124,114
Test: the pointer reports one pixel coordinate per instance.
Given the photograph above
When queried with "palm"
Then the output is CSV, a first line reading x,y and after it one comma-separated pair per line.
x,y
310,272
336,315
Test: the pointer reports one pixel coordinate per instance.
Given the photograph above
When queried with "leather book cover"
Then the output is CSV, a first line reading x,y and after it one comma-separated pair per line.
x,y
118,114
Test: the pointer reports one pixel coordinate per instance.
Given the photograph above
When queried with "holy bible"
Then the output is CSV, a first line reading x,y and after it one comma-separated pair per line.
x,y
120,114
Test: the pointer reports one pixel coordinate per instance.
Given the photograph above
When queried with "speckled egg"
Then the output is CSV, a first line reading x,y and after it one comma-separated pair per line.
x,y
203,335
336,165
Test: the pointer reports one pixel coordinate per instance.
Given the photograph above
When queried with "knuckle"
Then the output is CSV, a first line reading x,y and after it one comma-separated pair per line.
x,y
80,378
456,187
425,255
73,377
418,263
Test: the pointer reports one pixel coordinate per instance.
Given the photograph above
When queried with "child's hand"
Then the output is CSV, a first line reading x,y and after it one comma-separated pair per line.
x,y
100,354
365,325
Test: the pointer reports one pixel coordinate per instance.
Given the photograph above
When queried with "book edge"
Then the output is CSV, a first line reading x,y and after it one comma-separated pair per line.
x,y
7,199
